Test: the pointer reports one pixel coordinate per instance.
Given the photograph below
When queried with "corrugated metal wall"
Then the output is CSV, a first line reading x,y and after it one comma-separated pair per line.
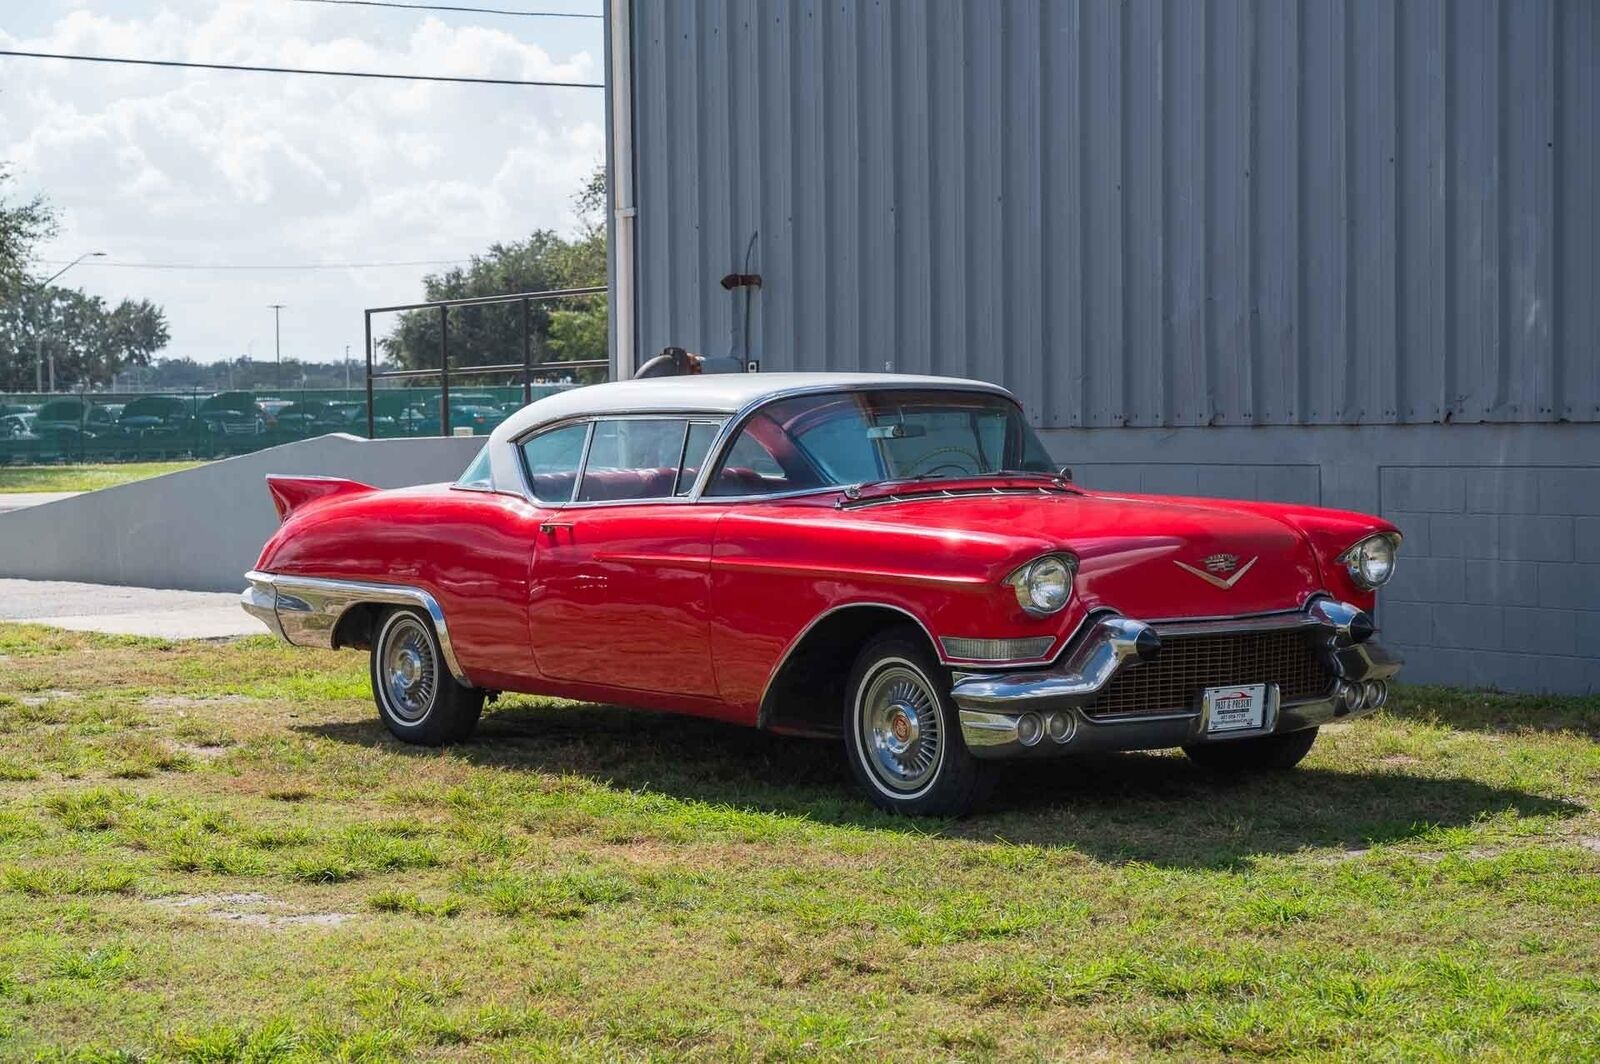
x,y
1144,213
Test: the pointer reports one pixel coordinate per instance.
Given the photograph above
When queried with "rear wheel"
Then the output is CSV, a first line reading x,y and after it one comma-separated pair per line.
x,y
1267,753
417,698
902,736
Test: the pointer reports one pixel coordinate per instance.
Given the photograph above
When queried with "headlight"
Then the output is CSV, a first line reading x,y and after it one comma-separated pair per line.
x,y
1371,562
1044,585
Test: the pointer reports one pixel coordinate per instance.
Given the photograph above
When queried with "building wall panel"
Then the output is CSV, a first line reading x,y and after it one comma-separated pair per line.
x,y
1136,213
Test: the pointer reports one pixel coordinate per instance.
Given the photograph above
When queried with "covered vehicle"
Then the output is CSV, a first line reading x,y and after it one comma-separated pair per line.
x,y
157,415
309,417
72,417
893,561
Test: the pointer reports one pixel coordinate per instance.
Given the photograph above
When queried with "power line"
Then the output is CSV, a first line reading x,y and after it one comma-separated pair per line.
x,y
297,70
452,7
268,266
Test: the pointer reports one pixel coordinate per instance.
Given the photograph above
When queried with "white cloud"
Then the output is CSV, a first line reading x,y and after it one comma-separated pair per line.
x,y
216,167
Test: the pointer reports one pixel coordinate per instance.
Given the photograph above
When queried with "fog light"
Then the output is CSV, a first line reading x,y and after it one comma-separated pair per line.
x,y
1349,697
1030,729
1060,726
1375,692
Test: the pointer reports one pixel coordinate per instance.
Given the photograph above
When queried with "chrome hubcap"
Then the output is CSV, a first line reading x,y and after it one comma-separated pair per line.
x,y
900,728
409,670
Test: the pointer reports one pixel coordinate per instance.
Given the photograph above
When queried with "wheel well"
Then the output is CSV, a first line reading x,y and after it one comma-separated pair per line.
x,y
356,626
806,696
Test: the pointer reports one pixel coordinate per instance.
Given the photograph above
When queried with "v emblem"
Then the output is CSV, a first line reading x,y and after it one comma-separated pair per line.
x,y
1217,581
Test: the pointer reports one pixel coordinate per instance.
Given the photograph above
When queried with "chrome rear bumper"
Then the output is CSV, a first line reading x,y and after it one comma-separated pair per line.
x,y
305,610
992,706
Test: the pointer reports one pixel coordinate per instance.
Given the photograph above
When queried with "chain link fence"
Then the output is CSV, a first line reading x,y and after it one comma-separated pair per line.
x,y
44,429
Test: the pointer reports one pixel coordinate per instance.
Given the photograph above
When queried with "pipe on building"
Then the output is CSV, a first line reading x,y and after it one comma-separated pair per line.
x,y
621,177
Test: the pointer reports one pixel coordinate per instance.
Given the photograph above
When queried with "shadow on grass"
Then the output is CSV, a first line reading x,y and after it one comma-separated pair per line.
x,y
1154,808
1494,711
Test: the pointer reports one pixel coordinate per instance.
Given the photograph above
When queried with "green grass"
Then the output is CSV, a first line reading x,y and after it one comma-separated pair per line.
x,y
214,853
82,477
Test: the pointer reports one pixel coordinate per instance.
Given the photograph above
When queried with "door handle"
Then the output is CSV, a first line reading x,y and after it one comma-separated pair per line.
x,y
549,527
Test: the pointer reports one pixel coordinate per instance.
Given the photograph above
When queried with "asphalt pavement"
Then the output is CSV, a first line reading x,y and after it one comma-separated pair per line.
x,y
126,610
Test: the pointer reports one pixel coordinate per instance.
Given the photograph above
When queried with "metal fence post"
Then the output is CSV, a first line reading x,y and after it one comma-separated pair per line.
x,y
527,355
444,370
372,432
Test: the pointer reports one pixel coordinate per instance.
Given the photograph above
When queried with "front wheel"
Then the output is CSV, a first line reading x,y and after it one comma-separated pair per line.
x,y
1267,753
417,698
902,734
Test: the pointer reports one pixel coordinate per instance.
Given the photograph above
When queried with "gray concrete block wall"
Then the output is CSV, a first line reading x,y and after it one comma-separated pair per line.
x,y
1499,577
202,529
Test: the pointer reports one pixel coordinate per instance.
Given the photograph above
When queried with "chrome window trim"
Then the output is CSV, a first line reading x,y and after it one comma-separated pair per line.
x,y
306,610
687,417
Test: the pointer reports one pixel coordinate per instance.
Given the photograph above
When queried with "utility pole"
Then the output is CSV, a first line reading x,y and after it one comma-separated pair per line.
x,y
277,343
347,367
38,351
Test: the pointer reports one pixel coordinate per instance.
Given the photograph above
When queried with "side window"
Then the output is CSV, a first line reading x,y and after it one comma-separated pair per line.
x,y
477,477
750,469
701,433
632,458
552,461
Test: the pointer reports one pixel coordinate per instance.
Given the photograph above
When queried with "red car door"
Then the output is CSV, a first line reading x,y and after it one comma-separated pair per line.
x,y
620,595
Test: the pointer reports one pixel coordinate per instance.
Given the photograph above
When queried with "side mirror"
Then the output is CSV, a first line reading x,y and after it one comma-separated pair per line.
x,y
1065,473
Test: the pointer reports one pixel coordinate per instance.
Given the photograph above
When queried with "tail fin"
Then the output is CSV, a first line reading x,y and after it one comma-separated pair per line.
x,y
291,493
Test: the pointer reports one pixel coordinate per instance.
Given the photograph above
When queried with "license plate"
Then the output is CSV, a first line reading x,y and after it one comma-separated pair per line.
x,y
1237,708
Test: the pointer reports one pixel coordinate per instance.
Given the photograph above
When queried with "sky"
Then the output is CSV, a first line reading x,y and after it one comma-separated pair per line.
x,y
214,168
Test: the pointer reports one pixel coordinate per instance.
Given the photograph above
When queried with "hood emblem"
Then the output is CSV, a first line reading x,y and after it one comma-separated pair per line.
x,y
1215,568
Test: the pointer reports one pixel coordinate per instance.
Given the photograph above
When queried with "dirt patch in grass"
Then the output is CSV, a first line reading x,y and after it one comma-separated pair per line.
x,y
251,909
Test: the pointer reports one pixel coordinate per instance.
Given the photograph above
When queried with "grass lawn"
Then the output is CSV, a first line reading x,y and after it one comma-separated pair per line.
x,y
83,477
213,852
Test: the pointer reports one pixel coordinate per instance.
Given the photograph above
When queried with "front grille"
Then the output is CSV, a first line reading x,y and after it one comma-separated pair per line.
x,y
1188,664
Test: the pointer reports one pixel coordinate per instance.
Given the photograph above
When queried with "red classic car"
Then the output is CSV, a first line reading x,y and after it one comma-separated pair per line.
x,y
893,560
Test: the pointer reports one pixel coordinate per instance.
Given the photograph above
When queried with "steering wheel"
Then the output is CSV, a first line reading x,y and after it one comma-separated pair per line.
x,y
977,462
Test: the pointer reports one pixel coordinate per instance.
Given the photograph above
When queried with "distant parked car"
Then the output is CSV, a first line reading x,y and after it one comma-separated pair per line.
x,y
354,417
271,408
17,426
233,414
481,418
309,418
72,417
156,415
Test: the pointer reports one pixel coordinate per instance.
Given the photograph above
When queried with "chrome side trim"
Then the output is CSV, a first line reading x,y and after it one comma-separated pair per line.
x,y
305,610
788,651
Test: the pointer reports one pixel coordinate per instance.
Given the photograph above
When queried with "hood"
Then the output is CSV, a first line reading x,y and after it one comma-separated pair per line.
x,y
1143,556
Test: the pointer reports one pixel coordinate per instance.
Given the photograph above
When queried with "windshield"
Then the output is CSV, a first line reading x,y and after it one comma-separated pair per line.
x,y
819,441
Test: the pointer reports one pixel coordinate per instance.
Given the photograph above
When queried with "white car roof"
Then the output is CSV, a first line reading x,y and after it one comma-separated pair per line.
x,y
711,393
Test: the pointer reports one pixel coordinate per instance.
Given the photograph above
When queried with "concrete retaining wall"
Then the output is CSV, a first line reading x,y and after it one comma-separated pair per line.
x,y
1499,578
201,529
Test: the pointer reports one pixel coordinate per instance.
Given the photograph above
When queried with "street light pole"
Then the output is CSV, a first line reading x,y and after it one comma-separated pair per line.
x,y
38,351
277,343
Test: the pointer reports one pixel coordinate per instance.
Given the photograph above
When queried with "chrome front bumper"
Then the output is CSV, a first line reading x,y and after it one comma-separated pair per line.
x,y
992,706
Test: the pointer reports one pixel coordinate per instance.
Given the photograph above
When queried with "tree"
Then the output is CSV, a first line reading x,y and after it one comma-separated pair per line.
x,y
566,330
22,225
87,342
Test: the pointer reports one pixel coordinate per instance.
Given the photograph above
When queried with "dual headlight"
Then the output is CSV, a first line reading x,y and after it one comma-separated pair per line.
x,y
1044,585
1371,562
